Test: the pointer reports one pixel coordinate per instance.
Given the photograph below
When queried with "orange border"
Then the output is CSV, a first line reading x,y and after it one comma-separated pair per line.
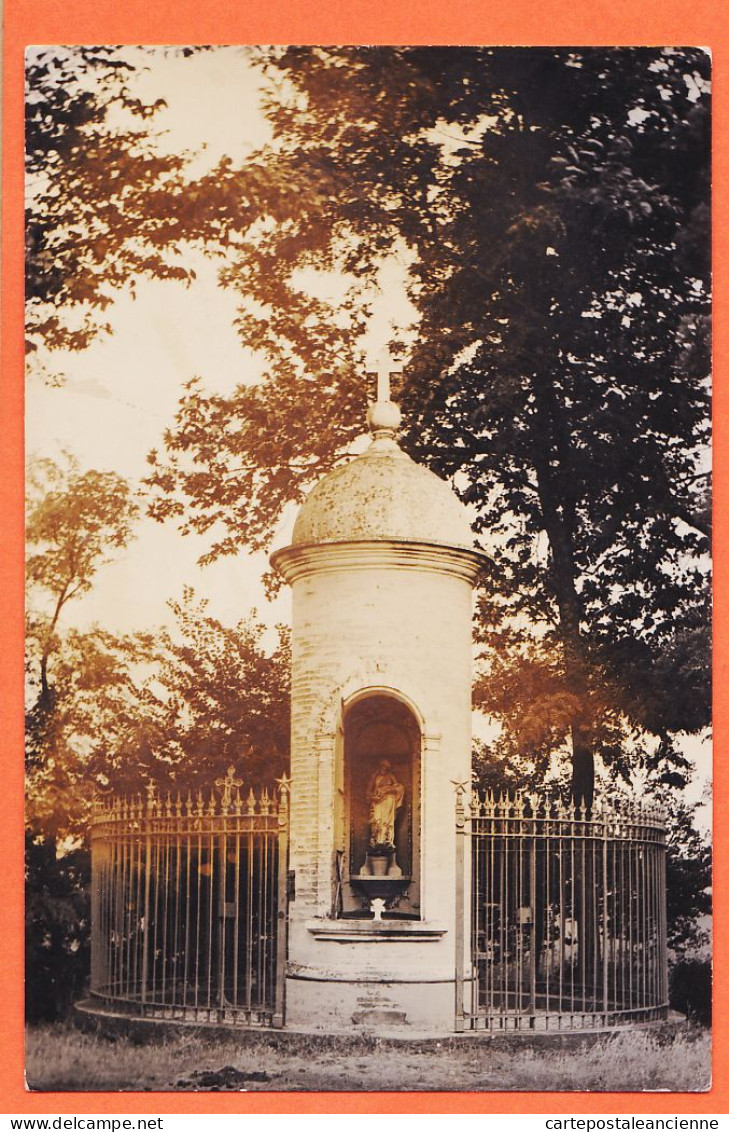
x,y
530,22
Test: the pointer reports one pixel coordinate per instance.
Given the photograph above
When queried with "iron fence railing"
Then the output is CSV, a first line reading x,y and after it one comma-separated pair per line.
x,y
568,914
189,905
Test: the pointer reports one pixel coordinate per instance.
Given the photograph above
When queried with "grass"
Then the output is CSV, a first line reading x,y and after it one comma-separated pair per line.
x,y
60,1058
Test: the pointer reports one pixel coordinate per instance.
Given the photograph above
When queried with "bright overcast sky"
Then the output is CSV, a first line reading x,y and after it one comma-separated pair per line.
x,y
121,393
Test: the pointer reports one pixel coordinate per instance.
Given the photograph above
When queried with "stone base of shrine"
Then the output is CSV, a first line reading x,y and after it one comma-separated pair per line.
x,y
367,976
387,1009
92,1018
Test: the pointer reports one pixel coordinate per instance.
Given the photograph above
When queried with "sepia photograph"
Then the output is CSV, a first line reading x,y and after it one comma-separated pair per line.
x,y
368,569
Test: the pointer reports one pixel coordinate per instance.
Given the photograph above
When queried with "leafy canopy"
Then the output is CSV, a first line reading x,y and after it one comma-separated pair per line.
x,y
99,193
173,706
550,208
75,522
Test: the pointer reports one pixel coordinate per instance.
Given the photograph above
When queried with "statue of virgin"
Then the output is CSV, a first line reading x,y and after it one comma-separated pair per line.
x,y
385,795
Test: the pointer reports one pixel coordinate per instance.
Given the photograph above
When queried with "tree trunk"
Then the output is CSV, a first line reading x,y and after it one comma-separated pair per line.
x,y
45,700
583,765
558,512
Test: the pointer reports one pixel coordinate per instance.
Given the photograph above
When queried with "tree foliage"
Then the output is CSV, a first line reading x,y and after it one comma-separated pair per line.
x,y
75,522
57,928
551,209
173,706
214,695
101,198
109,712
99,701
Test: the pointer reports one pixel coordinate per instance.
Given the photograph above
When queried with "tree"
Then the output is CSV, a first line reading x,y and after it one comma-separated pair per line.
x,y
102,201
74,522
174,707
551,206
213,695
102,702
229,697
57,928
112,712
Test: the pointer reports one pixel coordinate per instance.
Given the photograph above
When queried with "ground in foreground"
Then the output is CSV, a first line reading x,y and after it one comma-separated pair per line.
x,y
60,1058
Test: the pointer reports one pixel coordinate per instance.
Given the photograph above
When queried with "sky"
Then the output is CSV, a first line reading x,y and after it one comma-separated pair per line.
x,y
120,394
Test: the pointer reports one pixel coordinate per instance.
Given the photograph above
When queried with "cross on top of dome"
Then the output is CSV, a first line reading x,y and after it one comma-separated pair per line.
x,y
382,374
384,416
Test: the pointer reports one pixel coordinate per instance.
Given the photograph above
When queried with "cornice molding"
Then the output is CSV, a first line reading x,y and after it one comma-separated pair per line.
x,y
296,562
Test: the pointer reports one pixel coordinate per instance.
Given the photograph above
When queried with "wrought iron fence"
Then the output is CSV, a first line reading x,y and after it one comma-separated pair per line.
x,y
189,905
568,915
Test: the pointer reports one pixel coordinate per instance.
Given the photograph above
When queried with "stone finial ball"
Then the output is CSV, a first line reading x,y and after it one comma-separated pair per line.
x,y
384,416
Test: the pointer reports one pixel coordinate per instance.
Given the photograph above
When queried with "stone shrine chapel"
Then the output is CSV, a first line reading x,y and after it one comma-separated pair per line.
x,y
378,891
382,567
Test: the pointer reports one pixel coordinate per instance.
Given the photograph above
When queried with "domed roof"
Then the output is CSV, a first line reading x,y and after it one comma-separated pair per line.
x,y
382,494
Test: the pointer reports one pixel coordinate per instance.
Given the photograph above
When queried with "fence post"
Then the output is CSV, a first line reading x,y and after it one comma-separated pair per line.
x,y
147,882
533,805
96,815
663,929
282,903
460,788
605,919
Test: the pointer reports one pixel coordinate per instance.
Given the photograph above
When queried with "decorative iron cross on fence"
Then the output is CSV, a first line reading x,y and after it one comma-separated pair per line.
x,y
228,785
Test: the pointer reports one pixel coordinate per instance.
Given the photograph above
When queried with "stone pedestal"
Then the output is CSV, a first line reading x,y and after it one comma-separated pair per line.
x,y
372,977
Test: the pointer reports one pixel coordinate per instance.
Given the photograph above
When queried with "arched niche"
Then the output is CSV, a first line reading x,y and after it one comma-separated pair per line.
x,y
380,728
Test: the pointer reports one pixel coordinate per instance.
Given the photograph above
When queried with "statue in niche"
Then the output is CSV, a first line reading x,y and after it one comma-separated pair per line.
x,y
385,796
